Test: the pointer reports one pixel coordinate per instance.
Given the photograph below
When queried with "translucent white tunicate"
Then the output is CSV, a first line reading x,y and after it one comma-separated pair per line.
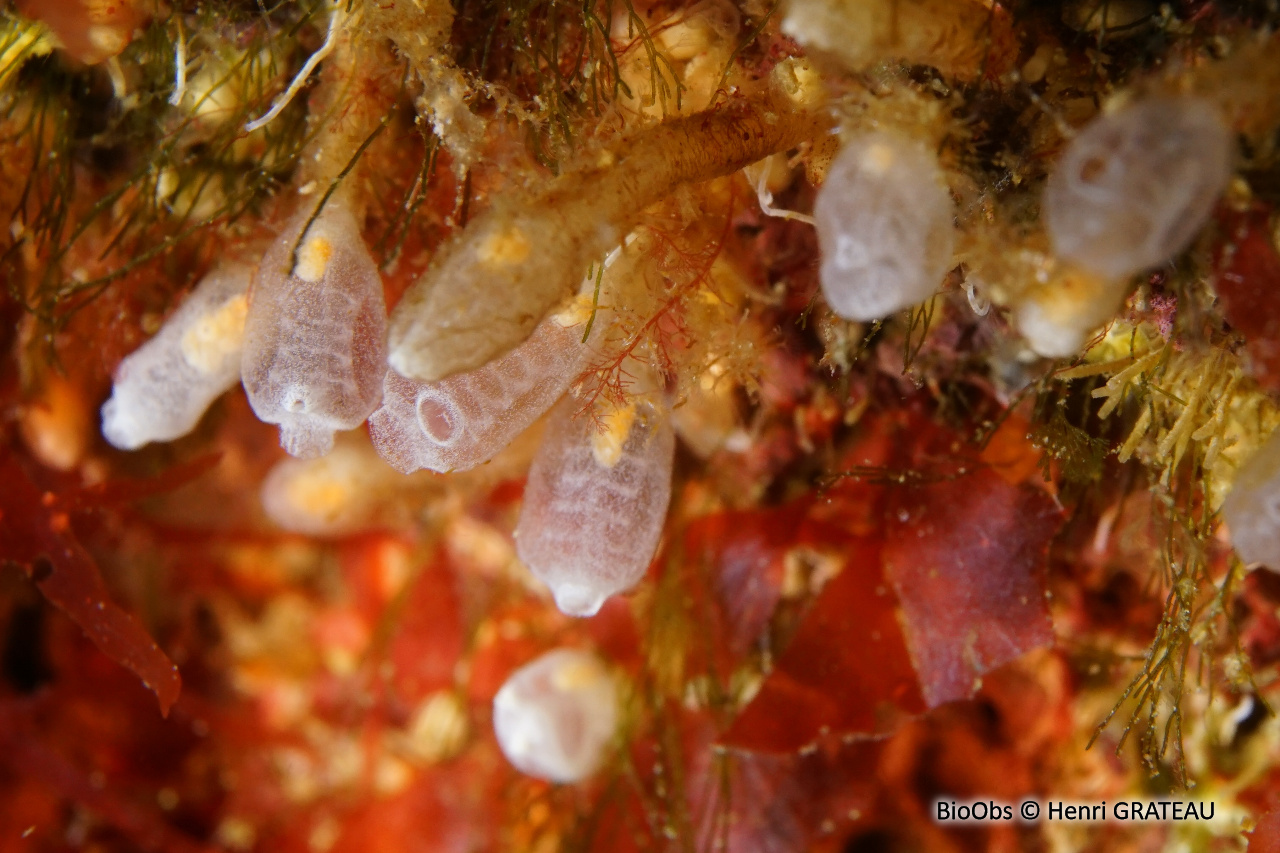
x,y
164,387
1252,508
885,230
315,344
595,502
1134,187
554,718
468,418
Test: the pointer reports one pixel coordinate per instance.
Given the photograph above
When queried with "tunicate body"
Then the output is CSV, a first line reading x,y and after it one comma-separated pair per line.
x,y
554,718
885,226
468,418
1252,508
1135,186
595,502
165,386
487,289
315,343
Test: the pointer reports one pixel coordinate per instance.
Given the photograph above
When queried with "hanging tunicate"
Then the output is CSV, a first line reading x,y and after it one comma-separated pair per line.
x,y
554,718
1135,186
596,501
164,387
1252,508
315,343
885,226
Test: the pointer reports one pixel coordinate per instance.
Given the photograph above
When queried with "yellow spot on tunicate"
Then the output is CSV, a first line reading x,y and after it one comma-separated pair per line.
x,y
878,159
20,41
576,675
799,81
216,336
575,312
505,248
607,444
313,258
606,159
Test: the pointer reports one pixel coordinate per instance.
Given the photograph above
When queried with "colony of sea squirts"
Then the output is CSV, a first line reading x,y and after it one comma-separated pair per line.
x,y
761,392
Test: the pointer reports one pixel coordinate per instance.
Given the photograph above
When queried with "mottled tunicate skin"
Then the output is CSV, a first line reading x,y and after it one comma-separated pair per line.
x,y
885,226
1135,186
160,393
465,420
588,530
554,717
1252,508
315,350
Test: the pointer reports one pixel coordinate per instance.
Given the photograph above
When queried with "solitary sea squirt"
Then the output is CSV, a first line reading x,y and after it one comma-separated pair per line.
x,y
315,345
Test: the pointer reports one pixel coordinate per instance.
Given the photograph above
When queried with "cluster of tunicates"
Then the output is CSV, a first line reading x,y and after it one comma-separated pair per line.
x,y
314,362
1129,193
308,342
555,717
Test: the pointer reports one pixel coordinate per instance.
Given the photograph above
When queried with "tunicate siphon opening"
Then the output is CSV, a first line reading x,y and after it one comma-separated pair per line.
x,y
437,420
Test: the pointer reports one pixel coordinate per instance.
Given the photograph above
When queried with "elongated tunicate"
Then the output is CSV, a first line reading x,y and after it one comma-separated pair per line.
x,y
1134,187
885,229
486,290
1252,507
164,387
554,718
315,342
595,502
465,420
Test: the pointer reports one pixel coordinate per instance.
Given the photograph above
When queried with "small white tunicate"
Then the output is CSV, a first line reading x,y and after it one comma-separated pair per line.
x,y
1136,185
467,419
1252,508
595,502
885,226
164,387
315,344
555,717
